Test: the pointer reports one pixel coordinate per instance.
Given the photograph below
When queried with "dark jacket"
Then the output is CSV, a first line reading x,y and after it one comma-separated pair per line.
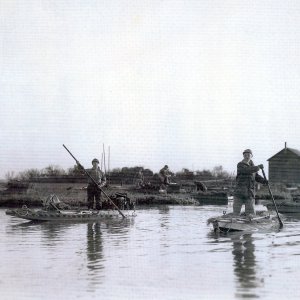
x,y
246,178
97,175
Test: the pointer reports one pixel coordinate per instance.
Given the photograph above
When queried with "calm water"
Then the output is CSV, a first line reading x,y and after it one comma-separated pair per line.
x,y
163,253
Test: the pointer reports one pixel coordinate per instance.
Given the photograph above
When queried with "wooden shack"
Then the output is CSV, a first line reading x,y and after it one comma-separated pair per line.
x,y
284,166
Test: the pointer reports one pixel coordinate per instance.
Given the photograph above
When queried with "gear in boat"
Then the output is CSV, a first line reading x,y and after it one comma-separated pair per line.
x,y
263,220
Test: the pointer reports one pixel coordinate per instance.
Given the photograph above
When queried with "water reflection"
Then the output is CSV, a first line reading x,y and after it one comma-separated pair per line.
x,y
244,265
164,216
90,260
164,220
95,257
51,231
94,246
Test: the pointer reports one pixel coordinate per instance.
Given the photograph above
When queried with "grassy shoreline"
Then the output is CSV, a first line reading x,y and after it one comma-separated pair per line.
x,y
75,195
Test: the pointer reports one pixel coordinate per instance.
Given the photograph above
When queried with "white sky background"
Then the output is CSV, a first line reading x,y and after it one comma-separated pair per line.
x,y
184,83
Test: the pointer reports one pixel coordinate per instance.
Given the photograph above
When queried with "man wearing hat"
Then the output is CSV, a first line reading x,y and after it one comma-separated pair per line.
x,y
93,190
245,184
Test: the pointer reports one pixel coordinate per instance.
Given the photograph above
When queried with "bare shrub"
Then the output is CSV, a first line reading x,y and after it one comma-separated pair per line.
x,y
53,170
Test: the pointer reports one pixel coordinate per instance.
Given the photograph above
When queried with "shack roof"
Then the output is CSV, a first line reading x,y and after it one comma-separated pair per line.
x,y
295,151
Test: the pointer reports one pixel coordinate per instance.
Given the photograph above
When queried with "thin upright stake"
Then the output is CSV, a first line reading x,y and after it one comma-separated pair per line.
x,y
104,165
101,162
280,222
108,164
86,173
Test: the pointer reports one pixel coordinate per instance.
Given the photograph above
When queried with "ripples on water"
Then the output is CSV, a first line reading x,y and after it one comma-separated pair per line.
x,y
163,253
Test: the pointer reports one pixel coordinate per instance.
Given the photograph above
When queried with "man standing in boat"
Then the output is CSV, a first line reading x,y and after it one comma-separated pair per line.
x,y
245,184
93,190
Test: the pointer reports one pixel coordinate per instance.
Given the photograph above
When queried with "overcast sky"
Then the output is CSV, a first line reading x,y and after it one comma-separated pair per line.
x,y
185,83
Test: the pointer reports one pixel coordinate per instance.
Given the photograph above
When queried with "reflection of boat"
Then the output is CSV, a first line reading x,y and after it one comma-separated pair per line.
x,y
285,206
229,222
66,215
213,197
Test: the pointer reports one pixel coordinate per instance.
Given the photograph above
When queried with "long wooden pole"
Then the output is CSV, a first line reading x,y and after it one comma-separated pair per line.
x,y
78,163
280,222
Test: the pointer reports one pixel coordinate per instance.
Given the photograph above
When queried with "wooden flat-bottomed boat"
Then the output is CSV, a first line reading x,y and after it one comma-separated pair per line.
x,y
55,210
261,221
67,215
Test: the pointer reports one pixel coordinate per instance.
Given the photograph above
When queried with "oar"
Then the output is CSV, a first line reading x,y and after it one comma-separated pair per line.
x,y
280,222
78,163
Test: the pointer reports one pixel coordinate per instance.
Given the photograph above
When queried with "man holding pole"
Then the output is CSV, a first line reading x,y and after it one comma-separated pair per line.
x,y
96,179
245,184
95,182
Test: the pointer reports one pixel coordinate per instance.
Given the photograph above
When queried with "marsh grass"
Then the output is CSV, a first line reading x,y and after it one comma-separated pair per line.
x,y
75,195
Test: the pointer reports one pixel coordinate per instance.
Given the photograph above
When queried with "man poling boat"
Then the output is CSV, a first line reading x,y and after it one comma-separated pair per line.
x,y
246,178
54,210
247,175
96,184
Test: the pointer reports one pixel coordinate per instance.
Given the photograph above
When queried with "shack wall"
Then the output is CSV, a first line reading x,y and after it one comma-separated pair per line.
x,y
285,168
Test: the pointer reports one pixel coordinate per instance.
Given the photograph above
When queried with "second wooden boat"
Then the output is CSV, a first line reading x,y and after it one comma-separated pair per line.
x,y
285,206
230,222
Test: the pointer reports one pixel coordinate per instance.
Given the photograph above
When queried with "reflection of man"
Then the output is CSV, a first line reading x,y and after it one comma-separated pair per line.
x,y
245,264
94,244
245,184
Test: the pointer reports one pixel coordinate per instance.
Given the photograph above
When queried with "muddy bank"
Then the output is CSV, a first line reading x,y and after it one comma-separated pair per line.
x,y
75,195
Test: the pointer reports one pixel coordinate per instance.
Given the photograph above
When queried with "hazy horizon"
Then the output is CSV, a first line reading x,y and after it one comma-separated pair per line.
x,y
185,83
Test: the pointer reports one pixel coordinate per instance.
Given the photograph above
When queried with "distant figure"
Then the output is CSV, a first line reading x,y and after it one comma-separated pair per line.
x,y
93,190
140,179
245,184
164,175
200,186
